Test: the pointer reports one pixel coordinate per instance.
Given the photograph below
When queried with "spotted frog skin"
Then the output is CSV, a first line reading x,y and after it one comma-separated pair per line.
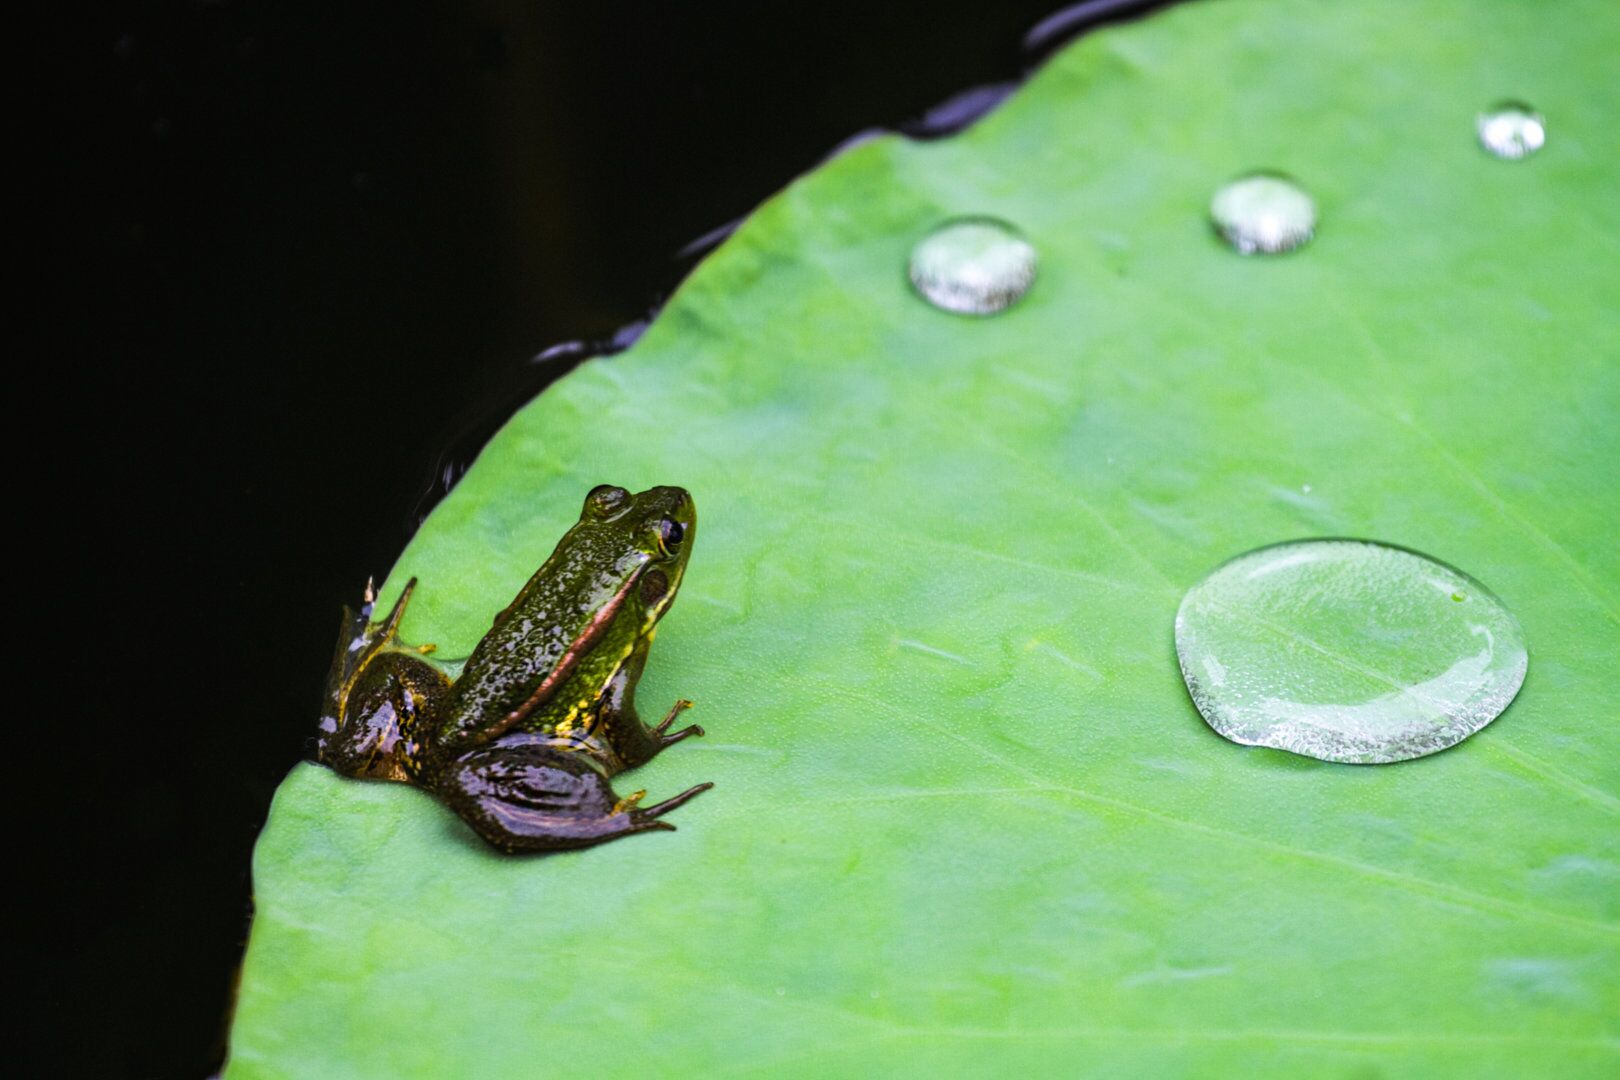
x,y
524,741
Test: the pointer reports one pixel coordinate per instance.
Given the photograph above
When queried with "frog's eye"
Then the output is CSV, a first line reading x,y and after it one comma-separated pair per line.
x,y
670,535
604,501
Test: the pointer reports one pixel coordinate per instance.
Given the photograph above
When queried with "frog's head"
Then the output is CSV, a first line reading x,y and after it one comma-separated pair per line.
x,y
652,534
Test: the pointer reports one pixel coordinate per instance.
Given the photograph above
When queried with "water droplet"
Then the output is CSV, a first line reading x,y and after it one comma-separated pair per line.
x,y
973,266
1511,130
1263,213
1347,650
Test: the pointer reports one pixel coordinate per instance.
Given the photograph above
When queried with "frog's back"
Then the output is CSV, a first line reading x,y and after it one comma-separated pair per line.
x,y
573,711
557,621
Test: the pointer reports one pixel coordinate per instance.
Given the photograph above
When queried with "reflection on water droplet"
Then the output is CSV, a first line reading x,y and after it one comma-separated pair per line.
x,y
973,266
1347,650
1263,213
1511,130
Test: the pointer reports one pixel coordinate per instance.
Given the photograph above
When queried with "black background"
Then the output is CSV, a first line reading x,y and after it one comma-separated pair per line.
x,y
292,248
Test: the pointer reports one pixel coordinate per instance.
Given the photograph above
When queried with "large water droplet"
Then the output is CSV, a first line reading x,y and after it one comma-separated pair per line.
x,y
1511,130
973,266
1263,213
1347,650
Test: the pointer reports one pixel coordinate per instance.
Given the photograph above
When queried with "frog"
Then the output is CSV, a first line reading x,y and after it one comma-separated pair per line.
x,y
523,742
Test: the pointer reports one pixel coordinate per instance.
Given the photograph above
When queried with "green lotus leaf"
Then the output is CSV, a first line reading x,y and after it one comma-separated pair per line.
x,y
967,820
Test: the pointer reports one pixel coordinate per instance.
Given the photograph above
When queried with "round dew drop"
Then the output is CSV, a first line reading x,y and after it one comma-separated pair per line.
x,y
1347,650
1511,130
973,266
1263,213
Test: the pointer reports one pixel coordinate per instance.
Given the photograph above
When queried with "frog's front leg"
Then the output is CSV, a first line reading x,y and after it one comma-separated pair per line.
x,y
629,740
525,794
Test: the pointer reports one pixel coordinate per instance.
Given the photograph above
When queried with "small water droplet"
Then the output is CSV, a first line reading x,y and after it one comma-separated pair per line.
x,y
1347,650
1511,130
973,266
1263,213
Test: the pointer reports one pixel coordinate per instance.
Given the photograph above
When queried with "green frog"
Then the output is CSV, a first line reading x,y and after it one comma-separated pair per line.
x,y
524,741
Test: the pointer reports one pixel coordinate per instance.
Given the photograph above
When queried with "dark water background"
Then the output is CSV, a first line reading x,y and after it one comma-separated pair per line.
x,y
295,249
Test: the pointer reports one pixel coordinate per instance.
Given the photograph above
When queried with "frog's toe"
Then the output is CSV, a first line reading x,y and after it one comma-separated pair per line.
x,y
684,733
659,809
680,706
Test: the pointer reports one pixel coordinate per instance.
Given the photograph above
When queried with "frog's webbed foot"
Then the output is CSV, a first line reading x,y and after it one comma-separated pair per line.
x,y
534,797
680,706
360,639
379,695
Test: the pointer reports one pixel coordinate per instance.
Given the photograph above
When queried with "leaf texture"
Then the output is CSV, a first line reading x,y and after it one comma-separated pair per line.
x,y
967,821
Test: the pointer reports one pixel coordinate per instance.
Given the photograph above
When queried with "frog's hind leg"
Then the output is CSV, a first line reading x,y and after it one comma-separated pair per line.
x,y
378,698
360,639
529,796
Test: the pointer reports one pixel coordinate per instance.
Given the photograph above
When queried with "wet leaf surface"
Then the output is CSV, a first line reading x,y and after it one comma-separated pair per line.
x,y
966,818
